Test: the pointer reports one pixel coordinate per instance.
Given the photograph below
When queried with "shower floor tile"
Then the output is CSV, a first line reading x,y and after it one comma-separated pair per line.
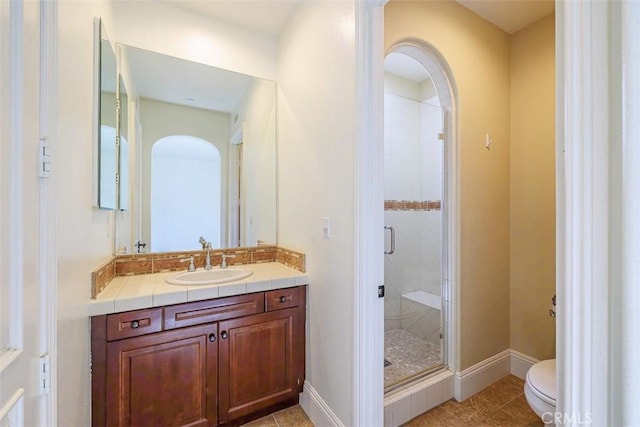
x,y
408,354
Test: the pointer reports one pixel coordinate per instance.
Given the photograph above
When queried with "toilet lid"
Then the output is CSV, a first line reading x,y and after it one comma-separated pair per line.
x,y
542,379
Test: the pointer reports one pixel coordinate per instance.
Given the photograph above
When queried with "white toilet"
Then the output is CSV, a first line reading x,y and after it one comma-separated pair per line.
x,y
541,391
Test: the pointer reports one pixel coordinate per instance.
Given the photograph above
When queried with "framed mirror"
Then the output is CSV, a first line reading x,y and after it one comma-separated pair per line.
x,y
107,122
202,147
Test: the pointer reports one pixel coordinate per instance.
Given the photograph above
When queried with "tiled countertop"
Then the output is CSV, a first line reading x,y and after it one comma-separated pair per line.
x,y
151,290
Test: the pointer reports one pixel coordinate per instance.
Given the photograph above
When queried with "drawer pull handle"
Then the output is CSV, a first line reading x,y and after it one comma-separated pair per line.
x,y
224,335
212,337
284,298
135,324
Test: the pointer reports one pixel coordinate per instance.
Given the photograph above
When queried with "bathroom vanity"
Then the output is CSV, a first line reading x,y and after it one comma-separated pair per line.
x,y
206,362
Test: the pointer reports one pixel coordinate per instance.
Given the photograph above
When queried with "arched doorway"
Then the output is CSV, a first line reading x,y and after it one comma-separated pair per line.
x,y
186,193
420,207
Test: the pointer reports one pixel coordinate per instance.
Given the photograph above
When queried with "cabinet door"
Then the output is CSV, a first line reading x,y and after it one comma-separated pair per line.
x,y
257,362
164,379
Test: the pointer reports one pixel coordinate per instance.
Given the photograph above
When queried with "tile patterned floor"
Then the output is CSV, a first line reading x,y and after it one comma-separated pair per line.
x,y
293,416
501,404
408,354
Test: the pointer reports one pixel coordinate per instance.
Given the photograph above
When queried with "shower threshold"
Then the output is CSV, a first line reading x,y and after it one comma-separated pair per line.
x,y
408,381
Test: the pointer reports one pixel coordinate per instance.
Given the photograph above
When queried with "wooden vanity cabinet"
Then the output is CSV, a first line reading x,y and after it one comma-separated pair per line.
x,y
219,372
257,363
164,379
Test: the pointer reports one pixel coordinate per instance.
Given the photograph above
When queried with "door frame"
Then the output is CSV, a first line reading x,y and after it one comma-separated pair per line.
x,y
598,238
32,95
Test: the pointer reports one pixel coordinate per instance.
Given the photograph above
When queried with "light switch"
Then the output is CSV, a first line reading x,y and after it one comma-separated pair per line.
x,y
326,227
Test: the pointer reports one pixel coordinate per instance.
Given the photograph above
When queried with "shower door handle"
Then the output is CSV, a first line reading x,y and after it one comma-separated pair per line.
x,y
393,240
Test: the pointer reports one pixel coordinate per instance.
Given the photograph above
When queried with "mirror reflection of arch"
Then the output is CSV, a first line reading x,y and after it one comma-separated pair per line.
x,y
186,173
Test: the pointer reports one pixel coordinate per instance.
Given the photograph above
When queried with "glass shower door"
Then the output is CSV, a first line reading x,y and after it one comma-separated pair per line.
x,y
413,218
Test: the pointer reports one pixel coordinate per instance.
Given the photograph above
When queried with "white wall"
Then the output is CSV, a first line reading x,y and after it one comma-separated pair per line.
x,y
257,121
316,143
84,233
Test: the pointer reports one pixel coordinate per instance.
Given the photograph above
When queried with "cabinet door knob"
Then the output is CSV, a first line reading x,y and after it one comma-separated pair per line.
x,y
224,335
212,337
135,324
283,298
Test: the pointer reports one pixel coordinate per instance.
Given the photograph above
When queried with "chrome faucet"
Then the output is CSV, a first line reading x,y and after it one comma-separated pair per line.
x,y
223,264
192,266
207,247
203,242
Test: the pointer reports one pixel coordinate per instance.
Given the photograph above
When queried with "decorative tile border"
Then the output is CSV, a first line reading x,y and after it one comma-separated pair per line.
x,y
412,205
133,264
291,258
102,275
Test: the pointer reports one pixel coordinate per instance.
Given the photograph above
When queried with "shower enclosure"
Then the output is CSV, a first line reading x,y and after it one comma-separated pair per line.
x,y
413,156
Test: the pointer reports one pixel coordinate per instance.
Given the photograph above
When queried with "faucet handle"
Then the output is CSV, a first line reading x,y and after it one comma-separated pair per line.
x,y
203,242
223,264
192,266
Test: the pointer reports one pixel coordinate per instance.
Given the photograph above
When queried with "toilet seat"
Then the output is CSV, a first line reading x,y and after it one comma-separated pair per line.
x,y
540,390
541,379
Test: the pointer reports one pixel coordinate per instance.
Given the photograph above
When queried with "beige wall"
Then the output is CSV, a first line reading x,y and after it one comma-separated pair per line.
x,y
533,189
478,55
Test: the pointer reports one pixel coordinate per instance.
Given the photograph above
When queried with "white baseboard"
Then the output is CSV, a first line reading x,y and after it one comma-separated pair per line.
x,y
483,374
520,364
317,409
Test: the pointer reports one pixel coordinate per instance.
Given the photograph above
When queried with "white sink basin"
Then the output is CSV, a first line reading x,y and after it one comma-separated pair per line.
x,y
208,277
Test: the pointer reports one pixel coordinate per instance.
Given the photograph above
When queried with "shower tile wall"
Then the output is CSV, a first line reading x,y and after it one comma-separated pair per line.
x,y
413,172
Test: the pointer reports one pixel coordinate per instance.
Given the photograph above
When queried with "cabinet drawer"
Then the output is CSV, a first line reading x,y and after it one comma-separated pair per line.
x,y
196,313
281,298
133,323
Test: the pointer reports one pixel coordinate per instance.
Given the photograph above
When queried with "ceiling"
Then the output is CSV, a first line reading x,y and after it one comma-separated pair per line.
x,y
405,66
271,16
266,16
510,15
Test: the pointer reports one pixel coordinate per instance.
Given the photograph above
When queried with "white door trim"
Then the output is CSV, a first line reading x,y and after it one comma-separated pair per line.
x,y
626,301
598,243
582,176
48,246
368,364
